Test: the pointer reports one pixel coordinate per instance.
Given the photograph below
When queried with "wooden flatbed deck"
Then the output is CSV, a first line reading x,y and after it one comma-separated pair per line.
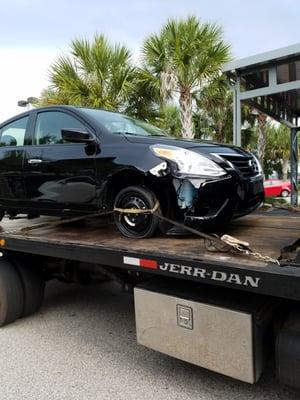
x,y
92,240
266,233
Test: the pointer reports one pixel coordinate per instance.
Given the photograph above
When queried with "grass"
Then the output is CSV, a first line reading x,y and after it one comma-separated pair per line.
x,y
274,201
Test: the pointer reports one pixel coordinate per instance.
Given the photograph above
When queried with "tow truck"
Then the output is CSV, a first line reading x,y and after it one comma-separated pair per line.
x,y
225,309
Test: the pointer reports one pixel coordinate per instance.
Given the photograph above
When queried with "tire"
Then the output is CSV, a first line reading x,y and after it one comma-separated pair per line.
x,y
33,285
136,226
11,293
285,193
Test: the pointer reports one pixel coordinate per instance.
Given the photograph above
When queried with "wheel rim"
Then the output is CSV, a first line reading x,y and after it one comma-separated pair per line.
x,y
284,193
134,223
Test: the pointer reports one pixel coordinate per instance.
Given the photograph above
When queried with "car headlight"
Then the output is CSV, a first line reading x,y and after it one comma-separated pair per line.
x,y
188,162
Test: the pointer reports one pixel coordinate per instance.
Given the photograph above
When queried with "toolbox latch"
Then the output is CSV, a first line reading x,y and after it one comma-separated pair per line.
x,y
185,316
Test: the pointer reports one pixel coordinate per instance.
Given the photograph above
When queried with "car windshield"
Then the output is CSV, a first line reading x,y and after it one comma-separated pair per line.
x,y
121,124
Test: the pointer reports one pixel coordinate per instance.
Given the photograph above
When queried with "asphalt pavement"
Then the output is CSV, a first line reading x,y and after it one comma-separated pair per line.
x,y
82,345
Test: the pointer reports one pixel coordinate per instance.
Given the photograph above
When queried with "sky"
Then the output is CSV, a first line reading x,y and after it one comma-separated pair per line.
x,y
34,32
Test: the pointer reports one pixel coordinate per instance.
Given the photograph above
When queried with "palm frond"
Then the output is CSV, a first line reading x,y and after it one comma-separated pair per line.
x,y
95,73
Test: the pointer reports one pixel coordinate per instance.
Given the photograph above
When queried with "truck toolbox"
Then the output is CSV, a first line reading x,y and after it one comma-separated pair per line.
x,y
223,332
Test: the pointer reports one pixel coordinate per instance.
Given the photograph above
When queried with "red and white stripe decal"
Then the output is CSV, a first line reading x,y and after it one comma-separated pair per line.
x,y
141,262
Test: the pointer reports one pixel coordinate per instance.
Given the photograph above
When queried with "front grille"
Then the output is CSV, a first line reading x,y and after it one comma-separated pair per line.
x,y
246,165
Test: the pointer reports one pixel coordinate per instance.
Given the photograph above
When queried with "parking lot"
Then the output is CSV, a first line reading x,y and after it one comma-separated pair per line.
x,y
81,345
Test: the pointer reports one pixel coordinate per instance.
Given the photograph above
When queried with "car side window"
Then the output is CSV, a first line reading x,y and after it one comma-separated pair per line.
x,y
49,125
13,134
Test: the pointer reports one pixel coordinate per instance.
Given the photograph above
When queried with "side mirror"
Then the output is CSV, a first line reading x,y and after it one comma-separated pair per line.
x,y
77,136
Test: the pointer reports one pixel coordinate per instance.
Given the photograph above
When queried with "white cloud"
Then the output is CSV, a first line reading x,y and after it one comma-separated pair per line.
x,y
23,73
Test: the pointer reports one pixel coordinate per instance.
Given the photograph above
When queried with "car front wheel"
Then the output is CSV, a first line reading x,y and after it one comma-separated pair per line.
x,y
285,193
136,225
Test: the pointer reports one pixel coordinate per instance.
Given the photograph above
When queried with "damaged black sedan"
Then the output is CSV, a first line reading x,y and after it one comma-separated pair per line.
x,y
65,160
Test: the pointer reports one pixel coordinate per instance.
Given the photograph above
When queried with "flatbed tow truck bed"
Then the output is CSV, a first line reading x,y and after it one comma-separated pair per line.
x,y
184,258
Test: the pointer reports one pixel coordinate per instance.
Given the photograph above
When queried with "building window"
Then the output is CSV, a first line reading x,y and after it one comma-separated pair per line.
x,y
288,72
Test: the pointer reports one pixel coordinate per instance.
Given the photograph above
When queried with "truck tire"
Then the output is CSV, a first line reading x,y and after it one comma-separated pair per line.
x,y
33,284
288,351
11,293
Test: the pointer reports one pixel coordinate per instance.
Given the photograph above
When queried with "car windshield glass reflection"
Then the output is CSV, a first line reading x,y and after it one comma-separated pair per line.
x,y
121,124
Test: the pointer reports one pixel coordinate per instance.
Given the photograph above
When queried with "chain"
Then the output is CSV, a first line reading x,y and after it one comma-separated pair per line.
x,y
255,254
224,244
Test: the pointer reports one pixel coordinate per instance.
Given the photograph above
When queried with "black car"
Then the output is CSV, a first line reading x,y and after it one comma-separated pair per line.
x,y
65,160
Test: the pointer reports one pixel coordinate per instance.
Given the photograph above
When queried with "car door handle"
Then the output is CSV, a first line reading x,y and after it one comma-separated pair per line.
x,y
34,161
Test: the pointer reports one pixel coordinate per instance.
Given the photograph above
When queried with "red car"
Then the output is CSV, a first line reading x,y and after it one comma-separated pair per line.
x,y
277,187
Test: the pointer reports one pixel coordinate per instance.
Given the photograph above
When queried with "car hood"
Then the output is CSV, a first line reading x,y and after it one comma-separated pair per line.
x,y
205,147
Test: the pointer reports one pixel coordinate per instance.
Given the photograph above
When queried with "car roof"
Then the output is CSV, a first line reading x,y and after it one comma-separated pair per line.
x,y
54,107
28,112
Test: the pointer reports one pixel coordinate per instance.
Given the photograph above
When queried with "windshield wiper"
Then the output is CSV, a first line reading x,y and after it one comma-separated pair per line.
x,y
127,133
135,134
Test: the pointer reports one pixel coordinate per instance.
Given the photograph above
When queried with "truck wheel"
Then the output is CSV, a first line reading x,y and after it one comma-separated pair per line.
x,y
33,284
288,351
136,225
11,293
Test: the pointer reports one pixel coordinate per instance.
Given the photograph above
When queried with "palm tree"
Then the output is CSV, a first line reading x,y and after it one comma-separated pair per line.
x,y
283,143
214,103
95,74
214,111
169,120
261,139
185,55
51,96
143,100
280,141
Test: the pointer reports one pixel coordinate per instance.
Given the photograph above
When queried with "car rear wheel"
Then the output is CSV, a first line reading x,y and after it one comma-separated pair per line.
x,y
285,193
136,225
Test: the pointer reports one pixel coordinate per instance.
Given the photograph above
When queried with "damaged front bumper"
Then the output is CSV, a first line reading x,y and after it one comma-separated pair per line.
x,y
217,201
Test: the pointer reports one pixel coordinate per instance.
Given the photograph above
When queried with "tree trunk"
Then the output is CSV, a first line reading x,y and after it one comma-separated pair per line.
x,y
285,167
220,132
186,113
261,141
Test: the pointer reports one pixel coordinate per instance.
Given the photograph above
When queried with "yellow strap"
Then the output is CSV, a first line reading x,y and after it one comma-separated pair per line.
x,y
137,211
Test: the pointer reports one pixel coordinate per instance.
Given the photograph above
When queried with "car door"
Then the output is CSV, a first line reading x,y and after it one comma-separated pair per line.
x,y
12,141
276,188
59,175
268,188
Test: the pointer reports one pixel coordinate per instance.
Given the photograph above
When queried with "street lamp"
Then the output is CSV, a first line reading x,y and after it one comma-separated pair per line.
x,y
27,103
